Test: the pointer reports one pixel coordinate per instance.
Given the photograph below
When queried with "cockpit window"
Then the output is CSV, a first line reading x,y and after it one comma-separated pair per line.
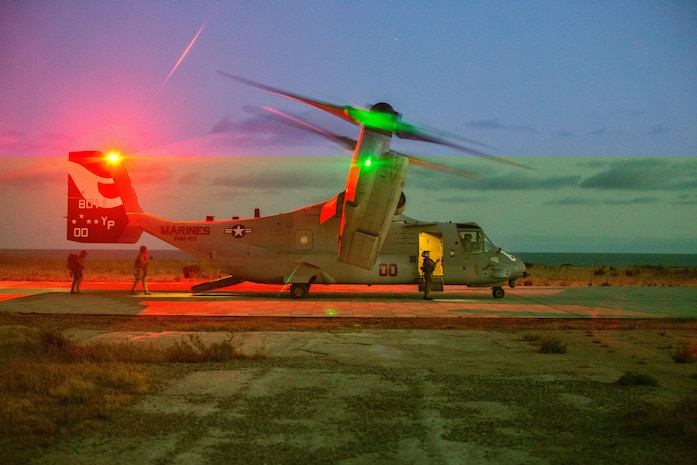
x,y
487,243
471,240
474,241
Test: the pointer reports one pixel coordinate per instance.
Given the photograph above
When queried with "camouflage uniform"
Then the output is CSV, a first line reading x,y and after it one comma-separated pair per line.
x,y
140,270
77,265
428,267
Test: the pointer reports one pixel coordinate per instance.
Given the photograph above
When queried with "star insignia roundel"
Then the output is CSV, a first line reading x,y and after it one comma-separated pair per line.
x,y
238,231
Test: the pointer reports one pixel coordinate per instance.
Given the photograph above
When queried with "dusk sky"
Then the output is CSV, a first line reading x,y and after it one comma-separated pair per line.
x,y
597,98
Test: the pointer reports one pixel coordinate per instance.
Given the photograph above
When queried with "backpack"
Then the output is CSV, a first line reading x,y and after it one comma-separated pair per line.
x,y
72,262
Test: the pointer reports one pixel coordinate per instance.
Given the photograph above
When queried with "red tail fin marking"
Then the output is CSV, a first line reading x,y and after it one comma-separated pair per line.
x,y
96,212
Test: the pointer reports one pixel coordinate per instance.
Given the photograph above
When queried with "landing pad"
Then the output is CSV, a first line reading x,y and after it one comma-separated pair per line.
x,y
353,301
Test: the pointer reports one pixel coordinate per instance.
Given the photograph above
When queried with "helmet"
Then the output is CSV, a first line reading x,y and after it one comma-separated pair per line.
x,y
425,253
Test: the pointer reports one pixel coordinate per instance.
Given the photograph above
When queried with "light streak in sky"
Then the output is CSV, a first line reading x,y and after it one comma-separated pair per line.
x,y
174,68
181,58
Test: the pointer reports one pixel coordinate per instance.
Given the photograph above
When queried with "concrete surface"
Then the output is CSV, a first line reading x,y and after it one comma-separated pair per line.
x,y
353,301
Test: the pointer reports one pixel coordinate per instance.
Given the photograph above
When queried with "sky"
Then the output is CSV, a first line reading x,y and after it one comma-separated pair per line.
x,y
597,99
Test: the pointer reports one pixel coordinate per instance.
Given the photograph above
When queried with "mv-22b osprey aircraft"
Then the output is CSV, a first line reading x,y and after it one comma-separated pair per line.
x,y
358,237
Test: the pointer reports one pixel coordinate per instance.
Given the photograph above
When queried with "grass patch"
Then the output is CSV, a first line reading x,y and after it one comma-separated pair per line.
x,y
632,378
530,337
552,345
549,344
674,422
51,384
192,349
13,268
570,275
684,353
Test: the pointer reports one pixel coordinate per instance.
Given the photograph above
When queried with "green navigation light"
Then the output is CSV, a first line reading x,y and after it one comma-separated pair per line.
x,y
375,119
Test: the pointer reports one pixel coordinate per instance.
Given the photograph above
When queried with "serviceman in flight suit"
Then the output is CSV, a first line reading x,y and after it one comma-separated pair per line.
x,y
140,270
428,267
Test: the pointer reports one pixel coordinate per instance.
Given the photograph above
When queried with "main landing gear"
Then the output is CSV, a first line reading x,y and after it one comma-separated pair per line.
x,y
498,292
299,291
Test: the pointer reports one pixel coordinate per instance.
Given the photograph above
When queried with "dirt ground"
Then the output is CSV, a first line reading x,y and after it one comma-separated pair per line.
x,y
410,395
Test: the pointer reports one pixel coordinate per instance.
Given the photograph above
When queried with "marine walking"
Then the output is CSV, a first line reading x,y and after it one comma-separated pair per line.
x,y
140,270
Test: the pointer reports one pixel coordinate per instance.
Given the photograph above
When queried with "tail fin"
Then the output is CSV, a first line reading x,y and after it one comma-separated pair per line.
x,y
99,197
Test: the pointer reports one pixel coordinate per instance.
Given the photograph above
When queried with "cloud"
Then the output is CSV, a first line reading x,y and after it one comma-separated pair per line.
x,y
262,130
14,143
585,201
268,180
686,199
27,179
658,129
251,132
634,201
32,172
192,178
494,124
572,201
649,173
519,181
224,125
606,132
10,141
513,180
298,177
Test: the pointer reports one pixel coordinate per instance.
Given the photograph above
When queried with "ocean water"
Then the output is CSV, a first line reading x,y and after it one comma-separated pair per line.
x,y
541,258
610,259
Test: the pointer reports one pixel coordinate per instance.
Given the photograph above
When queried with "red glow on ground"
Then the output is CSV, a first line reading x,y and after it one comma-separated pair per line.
x,y
386,309
12,296
185,286
249,299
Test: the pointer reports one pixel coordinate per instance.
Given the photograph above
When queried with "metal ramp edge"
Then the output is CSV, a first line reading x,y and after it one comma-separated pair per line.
x,y
216,284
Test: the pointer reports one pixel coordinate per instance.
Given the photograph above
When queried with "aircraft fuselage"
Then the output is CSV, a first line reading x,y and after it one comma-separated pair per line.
x,y
296,247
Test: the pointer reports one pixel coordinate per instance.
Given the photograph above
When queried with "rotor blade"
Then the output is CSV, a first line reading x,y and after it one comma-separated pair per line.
x,y
409,132
445,169
384,120
374,118
298,123
336,110
437,140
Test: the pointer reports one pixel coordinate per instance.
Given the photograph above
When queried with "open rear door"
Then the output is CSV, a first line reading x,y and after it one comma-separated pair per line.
x,y
433,242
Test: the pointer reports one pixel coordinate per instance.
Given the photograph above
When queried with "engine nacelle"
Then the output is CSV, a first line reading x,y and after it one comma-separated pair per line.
x,y
372,197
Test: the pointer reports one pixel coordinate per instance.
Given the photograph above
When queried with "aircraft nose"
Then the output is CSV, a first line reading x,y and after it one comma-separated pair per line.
x,y
523,270
518,268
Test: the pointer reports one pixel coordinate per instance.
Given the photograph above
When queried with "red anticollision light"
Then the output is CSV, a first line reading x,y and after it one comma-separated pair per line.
x,y
113,157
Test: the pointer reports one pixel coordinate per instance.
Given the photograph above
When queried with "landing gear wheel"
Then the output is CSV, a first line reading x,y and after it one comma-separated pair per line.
x,y
498,292
299,291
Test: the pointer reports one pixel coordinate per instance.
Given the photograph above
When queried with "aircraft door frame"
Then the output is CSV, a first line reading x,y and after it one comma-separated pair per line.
x,y
433,242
